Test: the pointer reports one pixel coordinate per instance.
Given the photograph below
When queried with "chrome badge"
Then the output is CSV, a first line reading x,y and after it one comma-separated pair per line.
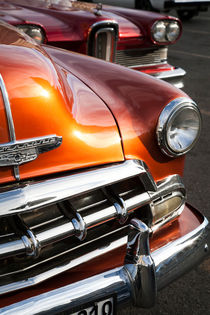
x,y
23,151
17,152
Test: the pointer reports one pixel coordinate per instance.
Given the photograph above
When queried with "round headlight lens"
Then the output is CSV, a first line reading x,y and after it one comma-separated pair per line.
x,y
172,31
178,127
159,31
183,129
33,31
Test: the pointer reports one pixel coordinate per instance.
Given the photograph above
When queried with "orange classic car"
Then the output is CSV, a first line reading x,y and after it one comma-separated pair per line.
x,y
92,203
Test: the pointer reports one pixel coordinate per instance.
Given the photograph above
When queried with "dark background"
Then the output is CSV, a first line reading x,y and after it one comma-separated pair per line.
x,y
191,293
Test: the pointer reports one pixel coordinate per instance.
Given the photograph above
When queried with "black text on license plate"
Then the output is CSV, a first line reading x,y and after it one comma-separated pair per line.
x,y
103,307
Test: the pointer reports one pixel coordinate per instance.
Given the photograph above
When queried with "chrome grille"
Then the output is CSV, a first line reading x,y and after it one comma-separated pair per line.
x,y
102,40
51,226
139,57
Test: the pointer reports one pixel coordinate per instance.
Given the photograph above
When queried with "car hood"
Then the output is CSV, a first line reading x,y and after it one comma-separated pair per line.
x,y
46,100
136,101
60,22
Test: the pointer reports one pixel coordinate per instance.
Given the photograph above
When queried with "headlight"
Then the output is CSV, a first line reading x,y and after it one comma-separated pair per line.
x,y
33,31
178,127
172,31
166,31
159,31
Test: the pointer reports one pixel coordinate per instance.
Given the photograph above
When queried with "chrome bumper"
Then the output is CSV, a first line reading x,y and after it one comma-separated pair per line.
x,y
136,282
175,77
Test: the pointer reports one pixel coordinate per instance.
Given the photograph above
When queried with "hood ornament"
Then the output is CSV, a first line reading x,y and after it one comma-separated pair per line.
x,y
98,9
17,152
90,7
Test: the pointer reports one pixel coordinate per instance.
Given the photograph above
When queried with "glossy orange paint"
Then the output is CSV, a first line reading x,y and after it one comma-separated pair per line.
x,y
185,223
46,100
136,101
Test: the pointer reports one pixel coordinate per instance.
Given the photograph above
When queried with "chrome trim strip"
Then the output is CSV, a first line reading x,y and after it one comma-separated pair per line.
x,y
128,281
7,109
9,120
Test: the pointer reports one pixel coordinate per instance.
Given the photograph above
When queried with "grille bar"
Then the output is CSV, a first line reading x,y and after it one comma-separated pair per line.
x,y
35,195
138,57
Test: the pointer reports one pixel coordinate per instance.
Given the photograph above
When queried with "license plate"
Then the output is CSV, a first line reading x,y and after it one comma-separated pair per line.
x,y
102,307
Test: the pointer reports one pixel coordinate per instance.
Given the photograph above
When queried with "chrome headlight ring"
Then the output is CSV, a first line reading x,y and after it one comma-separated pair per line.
x,y
178,127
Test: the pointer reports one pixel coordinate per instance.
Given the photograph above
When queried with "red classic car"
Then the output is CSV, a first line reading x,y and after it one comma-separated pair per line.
x,y
92,203
186,9
136,39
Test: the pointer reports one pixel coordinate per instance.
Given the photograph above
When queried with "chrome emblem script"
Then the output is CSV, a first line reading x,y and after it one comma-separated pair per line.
x,y
17,152
23,151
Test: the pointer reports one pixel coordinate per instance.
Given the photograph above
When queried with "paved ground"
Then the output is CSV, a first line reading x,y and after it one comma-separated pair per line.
x,y
191,294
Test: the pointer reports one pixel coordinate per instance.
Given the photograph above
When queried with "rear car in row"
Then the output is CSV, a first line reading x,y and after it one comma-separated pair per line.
x,y
186,9
136,39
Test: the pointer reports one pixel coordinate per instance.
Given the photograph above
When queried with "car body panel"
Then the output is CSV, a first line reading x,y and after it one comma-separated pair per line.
x,y
125,99
71,102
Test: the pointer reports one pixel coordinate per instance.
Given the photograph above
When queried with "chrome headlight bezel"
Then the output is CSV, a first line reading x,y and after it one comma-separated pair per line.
x,y
28,28
166,36
166,117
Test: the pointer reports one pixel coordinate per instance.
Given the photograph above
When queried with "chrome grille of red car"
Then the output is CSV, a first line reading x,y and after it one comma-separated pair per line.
x,y
138,57
53,225
102,40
